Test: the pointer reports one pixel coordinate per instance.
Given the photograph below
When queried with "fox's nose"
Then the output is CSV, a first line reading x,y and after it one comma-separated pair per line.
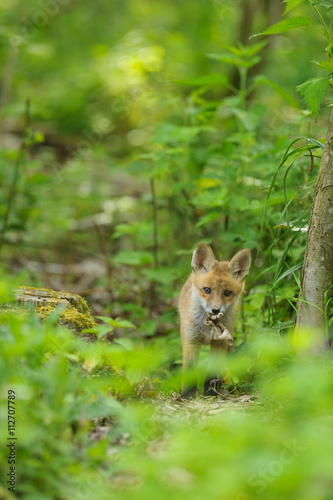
x,y
215,311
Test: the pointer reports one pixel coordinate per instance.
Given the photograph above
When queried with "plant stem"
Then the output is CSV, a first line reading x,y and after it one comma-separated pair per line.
x,y
16,175
155,236
243,78
105,252
140,288
326,32
155,230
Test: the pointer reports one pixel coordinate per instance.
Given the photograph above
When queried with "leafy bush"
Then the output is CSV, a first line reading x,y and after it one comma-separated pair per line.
x,y
77,437
163,125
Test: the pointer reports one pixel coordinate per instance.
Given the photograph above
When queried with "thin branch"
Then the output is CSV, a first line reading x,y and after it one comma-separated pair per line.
x,y
155,230
16,175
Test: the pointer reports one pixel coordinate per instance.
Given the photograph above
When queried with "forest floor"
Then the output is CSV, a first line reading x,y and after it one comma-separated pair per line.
x,y
196,410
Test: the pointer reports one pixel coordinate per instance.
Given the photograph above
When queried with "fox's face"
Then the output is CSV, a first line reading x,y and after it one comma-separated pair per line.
x,y
217,289
218,284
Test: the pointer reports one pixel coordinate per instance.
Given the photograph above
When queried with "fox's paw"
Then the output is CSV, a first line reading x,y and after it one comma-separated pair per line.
x,y
189,392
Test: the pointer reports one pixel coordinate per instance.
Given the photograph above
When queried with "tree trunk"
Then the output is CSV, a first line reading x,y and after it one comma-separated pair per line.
x,y
317,274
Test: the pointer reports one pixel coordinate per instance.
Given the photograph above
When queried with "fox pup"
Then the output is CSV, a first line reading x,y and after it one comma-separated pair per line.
x,y
208,307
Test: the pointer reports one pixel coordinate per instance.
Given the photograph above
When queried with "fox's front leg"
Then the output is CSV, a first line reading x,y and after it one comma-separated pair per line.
x,y
215,373
190,359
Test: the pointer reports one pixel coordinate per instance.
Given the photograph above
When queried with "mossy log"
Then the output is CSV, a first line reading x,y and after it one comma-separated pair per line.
x,y
75,314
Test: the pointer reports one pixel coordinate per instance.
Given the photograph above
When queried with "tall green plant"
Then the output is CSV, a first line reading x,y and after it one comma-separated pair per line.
x,y
313,90
317,269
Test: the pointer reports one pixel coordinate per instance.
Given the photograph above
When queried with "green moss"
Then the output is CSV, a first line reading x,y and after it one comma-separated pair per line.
x,y
80,321
75,300
70,317
44,309
76,314
108,361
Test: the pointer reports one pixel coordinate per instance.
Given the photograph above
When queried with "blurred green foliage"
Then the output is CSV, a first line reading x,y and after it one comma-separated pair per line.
x,y
85,431
161,126
129,132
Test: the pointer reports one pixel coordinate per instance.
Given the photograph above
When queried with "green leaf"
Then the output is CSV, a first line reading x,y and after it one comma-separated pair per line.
x,y
207,80
149,327
313,92
205,219
292,270
38,178
329,49
236,60
124,229
257,300
72,357
328,4
251,118
106,319
133,258
103,330
165,276
133,375
286,25
124,324
255,48
211,198
90,330
116,323
102,406
283,93
246,51
169,133
38,137
124,342
326,65
291,4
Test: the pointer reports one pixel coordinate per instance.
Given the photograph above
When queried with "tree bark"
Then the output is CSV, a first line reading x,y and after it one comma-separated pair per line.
x,y
317,274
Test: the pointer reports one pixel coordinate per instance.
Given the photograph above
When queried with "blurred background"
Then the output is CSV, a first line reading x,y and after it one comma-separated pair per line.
x,y
132,130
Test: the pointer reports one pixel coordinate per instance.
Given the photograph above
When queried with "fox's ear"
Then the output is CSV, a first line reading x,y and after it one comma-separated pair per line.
x,y
203,258
240,264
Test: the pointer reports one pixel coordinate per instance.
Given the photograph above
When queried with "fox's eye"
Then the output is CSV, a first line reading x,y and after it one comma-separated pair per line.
x,y
207,290
227,293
